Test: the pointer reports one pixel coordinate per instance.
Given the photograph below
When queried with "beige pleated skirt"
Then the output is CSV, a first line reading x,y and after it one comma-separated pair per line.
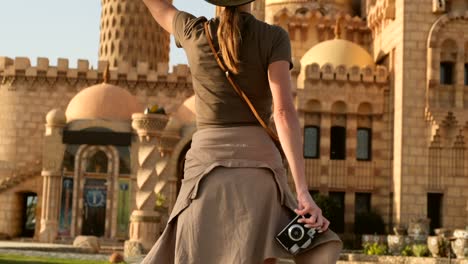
x,y
233,201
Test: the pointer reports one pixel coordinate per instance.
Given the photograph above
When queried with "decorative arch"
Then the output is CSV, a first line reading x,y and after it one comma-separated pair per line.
x,y
448,50
83,153
365,108
339,107
312,115
443,20
313,105
338,111
434,48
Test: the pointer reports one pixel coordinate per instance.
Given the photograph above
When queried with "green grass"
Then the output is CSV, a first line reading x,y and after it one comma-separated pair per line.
x,y
19,259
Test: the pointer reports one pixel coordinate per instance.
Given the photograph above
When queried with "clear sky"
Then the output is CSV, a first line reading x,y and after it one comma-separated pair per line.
x,y
66,29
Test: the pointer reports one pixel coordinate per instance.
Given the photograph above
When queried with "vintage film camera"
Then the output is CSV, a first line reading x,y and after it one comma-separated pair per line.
x,y
295,237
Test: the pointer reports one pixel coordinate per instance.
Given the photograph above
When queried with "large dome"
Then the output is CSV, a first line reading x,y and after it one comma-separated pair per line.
x,y
338,52
103,101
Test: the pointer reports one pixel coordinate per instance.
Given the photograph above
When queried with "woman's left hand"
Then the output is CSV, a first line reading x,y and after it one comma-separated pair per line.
x,y
306,205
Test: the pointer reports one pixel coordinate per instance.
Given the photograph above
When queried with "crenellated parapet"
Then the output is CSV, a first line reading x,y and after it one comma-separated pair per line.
x,y
19,72
379,14
303,16
326,7
341,73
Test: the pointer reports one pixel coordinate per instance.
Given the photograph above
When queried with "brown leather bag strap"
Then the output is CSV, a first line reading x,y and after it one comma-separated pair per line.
x,y
237,88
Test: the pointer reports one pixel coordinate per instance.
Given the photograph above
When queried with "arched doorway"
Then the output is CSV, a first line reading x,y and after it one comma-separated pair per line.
x,y
95,183
95,195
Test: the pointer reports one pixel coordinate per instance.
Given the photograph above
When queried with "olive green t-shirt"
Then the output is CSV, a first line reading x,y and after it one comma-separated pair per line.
x,y
216,102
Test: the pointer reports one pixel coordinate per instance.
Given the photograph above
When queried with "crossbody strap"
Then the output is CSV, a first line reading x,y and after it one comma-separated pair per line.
x,y
237,88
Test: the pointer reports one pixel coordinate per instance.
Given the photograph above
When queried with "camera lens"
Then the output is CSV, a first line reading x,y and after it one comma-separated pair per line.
x,y
296,232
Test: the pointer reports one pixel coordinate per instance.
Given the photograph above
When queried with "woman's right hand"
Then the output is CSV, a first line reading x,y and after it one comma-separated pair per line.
x,y
306,205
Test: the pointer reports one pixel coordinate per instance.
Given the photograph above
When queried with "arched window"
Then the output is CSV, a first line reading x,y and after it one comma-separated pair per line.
x,y
466,63
446,72
364,132
338,131
448,57
312,142
338,143
97,163
466,73
364,141
312,129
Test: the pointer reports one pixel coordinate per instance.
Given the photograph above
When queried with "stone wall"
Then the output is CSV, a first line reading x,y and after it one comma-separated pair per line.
x,y
363,96
28,92
415,165
406,35
12,205
385,18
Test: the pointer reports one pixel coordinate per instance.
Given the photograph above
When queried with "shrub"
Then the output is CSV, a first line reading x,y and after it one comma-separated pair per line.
x,y
407,251
420,250
369,223
375,249
330,208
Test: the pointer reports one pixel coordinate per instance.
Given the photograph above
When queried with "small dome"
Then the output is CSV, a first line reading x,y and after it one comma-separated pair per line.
x,y
103,101
56,117
338,52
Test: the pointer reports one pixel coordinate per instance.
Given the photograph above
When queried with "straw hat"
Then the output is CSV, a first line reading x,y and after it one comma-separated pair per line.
x,y
229,2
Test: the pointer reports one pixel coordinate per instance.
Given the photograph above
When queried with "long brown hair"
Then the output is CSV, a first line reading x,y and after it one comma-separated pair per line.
x,y
229,38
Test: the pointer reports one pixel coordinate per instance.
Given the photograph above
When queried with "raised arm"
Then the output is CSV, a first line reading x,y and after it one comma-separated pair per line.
x,y
163,12
289,133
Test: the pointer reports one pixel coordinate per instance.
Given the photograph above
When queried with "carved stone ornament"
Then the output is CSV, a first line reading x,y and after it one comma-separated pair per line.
x,y
149,124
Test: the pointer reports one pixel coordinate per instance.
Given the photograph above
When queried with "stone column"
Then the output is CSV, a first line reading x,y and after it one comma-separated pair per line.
x,y
145,221
53,151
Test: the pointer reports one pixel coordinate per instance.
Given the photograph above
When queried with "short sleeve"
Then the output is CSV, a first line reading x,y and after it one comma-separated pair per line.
x,y
183,25
281,47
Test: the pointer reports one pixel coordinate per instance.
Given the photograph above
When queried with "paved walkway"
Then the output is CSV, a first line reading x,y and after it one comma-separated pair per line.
x,y
64,251
48,250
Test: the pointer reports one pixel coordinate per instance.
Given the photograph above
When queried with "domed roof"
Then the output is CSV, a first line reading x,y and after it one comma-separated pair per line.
x,y
103,101
338,52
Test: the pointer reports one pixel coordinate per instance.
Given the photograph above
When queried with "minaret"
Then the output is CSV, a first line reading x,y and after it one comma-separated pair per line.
x,y
130,34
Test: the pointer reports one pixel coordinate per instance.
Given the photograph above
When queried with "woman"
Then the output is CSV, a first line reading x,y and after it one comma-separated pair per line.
x,y
234,197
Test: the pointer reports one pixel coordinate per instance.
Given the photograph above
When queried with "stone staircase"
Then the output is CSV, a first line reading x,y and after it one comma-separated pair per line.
x,y
20,176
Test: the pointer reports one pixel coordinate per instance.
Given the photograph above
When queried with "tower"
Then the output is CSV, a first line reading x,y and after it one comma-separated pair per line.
x,y
129,34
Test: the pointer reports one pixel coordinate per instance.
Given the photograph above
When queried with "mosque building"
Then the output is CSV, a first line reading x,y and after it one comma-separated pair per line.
x,y
379,86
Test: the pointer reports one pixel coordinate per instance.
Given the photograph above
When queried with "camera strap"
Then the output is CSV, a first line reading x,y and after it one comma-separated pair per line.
x,y
241,93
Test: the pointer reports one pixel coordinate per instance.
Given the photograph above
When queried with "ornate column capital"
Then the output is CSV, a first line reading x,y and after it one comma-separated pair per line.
x,y
149,125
